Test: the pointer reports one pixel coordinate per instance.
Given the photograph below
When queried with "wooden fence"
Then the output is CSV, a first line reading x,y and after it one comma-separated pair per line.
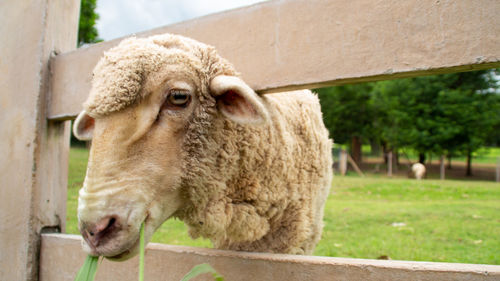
x,y
277,45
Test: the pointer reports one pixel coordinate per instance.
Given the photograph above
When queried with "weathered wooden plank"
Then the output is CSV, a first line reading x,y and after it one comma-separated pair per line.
x,y
34,165
281,45
165,262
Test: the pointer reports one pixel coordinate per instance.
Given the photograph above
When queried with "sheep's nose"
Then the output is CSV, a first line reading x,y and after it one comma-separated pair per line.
x,y
100,232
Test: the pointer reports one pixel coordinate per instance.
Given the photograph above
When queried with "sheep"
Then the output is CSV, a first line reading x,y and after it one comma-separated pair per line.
x,y
176,133
418,171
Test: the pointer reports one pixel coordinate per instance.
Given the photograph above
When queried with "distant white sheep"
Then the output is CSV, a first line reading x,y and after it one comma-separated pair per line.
x,y
418,170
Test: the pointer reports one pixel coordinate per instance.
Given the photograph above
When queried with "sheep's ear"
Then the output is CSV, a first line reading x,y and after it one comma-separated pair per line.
x,y
237,101
83,126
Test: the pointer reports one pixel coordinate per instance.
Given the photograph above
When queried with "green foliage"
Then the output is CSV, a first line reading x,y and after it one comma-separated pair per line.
x,y
347,111
453,114
88,270
87,33
470,119
440,114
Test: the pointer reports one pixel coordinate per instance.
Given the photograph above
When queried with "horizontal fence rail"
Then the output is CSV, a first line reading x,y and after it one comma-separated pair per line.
x,y
283,45
164,262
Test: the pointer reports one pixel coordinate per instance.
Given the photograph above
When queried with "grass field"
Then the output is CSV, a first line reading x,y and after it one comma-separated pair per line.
x,y
430,220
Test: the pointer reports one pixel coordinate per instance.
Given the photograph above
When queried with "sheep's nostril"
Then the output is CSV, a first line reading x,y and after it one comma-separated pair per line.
x,y
111,222
100,232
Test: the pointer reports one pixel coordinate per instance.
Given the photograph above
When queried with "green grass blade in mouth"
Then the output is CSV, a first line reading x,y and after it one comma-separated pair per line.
x,y
141,254
88,270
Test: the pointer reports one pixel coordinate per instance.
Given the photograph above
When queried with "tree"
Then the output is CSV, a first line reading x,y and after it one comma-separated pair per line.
x,y
450,114
348,114
443,114
413,117
472,102
87,33
472,117
391,101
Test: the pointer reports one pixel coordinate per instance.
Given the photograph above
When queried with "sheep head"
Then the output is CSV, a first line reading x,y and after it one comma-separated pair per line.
x,y
148,97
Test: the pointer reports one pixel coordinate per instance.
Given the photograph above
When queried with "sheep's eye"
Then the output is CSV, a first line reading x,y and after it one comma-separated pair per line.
x,y
178,98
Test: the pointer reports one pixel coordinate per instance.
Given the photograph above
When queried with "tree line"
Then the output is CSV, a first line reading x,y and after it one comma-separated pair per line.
x,y
449,114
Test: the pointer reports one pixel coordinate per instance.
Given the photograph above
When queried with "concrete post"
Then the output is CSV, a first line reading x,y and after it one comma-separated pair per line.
x,y
389,164
441,167
34,151
343,162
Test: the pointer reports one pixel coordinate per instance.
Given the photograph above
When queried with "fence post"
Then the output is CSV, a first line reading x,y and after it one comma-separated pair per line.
x,y
34,151
395,160
441,167
389,164
343,162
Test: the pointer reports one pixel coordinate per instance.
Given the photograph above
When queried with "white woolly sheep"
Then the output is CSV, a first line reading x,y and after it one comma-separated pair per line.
x,y
176,133
418,170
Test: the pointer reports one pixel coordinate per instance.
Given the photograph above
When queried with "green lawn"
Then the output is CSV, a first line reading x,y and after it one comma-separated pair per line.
x,y
452,221
430,220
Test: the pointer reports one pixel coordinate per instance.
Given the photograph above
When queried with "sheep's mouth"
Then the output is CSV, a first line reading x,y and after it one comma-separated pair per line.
x,y
128,253
116,249
133,249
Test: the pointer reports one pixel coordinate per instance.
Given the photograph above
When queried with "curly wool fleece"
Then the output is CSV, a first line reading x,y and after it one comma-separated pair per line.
x,y
246,187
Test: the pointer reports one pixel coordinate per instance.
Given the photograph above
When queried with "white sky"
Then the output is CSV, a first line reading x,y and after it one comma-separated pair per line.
x,y
124,17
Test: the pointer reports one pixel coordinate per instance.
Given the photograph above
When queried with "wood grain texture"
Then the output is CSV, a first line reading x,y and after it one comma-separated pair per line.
x,y
34,151
165,262
284,45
